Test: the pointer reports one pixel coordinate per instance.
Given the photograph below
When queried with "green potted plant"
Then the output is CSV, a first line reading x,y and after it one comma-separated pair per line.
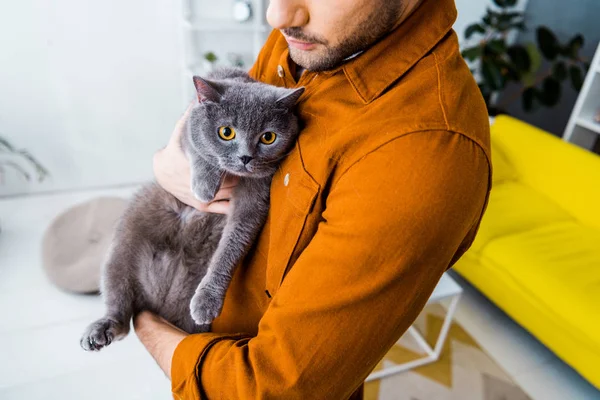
x,y
11,157
209,61
496,63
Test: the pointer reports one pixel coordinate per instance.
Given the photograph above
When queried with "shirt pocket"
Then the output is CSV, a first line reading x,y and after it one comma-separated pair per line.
x,y
293,196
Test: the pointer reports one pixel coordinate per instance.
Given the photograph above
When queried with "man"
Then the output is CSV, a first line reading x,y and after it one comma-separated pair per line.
x,y
383,192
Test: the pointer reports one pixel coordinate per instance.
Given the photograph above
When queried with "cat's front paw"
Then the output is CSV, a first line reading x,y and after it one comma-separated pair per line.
x,y
202,191
100,334
205,306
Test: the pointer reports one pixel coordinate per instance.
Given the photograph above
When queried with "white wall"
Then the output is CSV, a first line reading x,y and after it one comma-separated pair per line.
x,y
92,88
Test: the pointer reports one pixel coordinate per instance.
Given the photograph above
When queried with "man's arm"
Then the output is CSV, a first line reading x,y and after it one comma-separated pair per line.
x,y
172,172
392,224
159,337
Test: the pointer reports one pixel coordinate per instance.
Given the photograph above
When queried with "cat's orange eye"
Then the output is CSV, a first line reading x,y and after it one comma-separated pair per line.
x,y
268,137
226,133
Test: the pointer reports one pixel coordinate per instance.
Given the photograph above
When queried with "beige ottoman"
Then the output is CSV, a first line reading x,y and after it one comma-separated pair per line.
x,y
76,243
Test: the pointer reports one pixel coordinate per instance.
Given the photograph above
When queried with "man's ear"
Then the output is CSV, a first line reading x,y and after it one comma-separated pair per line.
x,y
207,90
289,99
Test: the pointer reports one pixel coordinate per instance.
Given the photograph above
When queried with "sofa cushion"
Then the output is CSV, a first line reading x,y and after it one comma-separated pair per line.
x,y
556,269
566,276
514,208
502,170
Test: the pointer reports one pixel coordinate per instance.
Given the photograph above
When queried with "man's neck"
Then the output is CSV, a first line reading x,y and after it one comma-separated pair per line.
x,y
300,70
409,8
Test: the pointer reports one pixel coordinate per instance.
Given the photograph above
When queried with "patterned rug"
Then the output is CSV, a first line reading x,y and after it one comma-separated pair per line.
x,y
463,372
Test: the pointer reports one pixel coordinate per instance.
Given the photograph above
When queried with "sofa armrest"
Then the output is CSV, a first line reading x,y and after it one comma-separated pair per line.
x,y
564,172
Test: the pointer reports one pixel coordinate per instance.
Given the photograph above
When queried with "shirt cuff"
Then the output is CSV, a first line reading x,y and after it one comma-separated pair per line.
x,y
187,361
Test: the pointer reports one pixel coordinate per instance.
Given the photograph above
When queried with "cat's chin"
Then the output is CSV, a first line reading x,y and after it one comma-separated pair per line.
x,y
249,174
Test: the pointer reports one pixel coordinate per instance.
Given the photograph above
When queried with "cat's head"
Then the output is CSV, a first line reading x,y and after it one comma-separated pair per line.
x,y
244,127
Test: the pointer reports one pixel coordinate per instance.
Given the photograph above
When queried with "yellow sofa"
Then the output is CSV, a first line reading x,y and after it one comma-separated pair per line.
x,y
537,253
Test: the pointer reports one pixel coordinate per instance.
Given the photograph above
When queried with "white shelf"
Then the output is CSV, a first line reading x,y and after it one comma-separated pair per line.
x,y
581,129
589,125
205,26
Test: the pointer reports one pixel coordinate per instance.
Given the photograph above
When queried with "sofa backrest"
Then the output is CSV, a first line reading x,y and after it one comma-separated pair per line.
x,y
564,172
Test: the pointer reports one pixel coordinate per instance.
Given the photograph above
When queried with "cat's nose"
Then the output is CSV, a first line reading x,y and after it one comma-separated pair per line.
x,y
246,159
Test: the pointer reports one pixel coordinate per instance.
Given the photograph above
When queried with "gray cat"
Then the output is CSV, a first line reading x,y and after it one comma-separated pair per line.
x,y
174,260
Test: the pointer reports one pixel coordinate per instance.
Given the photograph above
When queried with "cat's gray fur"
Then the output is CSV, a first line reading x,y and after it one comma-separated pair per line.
x,y
176,261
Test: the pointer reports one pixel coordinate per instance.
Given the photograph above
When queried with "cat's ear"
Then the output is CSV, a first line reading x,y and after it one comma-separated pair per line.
x,y
207,90
289,99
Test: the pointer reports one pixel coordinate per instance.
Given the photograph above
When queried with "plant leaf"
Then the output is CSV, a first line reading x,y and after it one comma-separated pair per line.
x,y
505,3
486,93
41,171
520,57
491,18
574,46
559,71
472,53
550,93
6,146
528,78
519,25
511,15
210,57
487,19
576,77
496,46
528,99
492,75
508,70
474,28
506,20
547,42
17,168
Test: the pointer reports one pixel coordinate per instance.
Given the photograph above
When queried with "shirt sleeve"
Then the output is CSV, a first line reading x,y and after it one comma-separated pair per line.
x,y
393,223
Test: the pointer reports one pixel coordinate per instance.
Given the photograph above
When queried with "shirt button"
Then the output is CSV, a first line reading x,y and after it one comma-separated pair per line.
x,y
280,71
286,180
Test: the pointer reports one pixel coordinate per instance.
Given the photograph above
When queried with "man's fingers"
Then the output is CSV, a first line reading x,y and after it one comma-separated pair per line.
x,y
178,131
218,207
172,172
223,194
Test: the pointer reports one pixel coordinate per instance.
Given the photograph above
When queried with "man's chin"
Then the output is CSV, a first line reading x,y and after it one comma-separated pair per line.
x,y
307,59
311,60
300,57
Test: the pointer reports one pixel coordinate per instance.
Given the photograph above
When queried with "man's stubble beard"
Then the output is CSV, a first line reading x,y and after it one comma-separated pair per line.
x,y
379,23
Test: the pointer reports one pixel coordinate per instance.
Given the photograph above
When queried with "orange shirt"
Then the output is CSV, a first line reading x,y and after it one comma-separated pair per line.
x,y
382,193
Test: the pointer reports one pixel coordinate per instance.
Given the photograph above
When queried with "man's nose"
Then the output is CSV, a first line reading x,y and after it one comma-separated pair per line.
x,y
283,14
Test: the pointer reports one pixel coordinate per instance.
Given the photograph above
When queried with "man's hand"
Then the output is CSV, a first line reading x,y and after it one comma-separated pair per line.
x,y
172,172
159,337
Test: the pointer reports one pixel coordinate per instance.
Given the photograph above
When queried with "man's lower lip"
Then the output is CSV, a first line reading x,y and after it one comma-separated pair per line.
x,y
301,45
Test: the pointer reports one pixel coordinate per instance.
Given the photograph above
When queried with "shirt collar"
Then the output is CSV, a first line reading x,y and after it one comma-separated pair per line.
x,y
374,70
